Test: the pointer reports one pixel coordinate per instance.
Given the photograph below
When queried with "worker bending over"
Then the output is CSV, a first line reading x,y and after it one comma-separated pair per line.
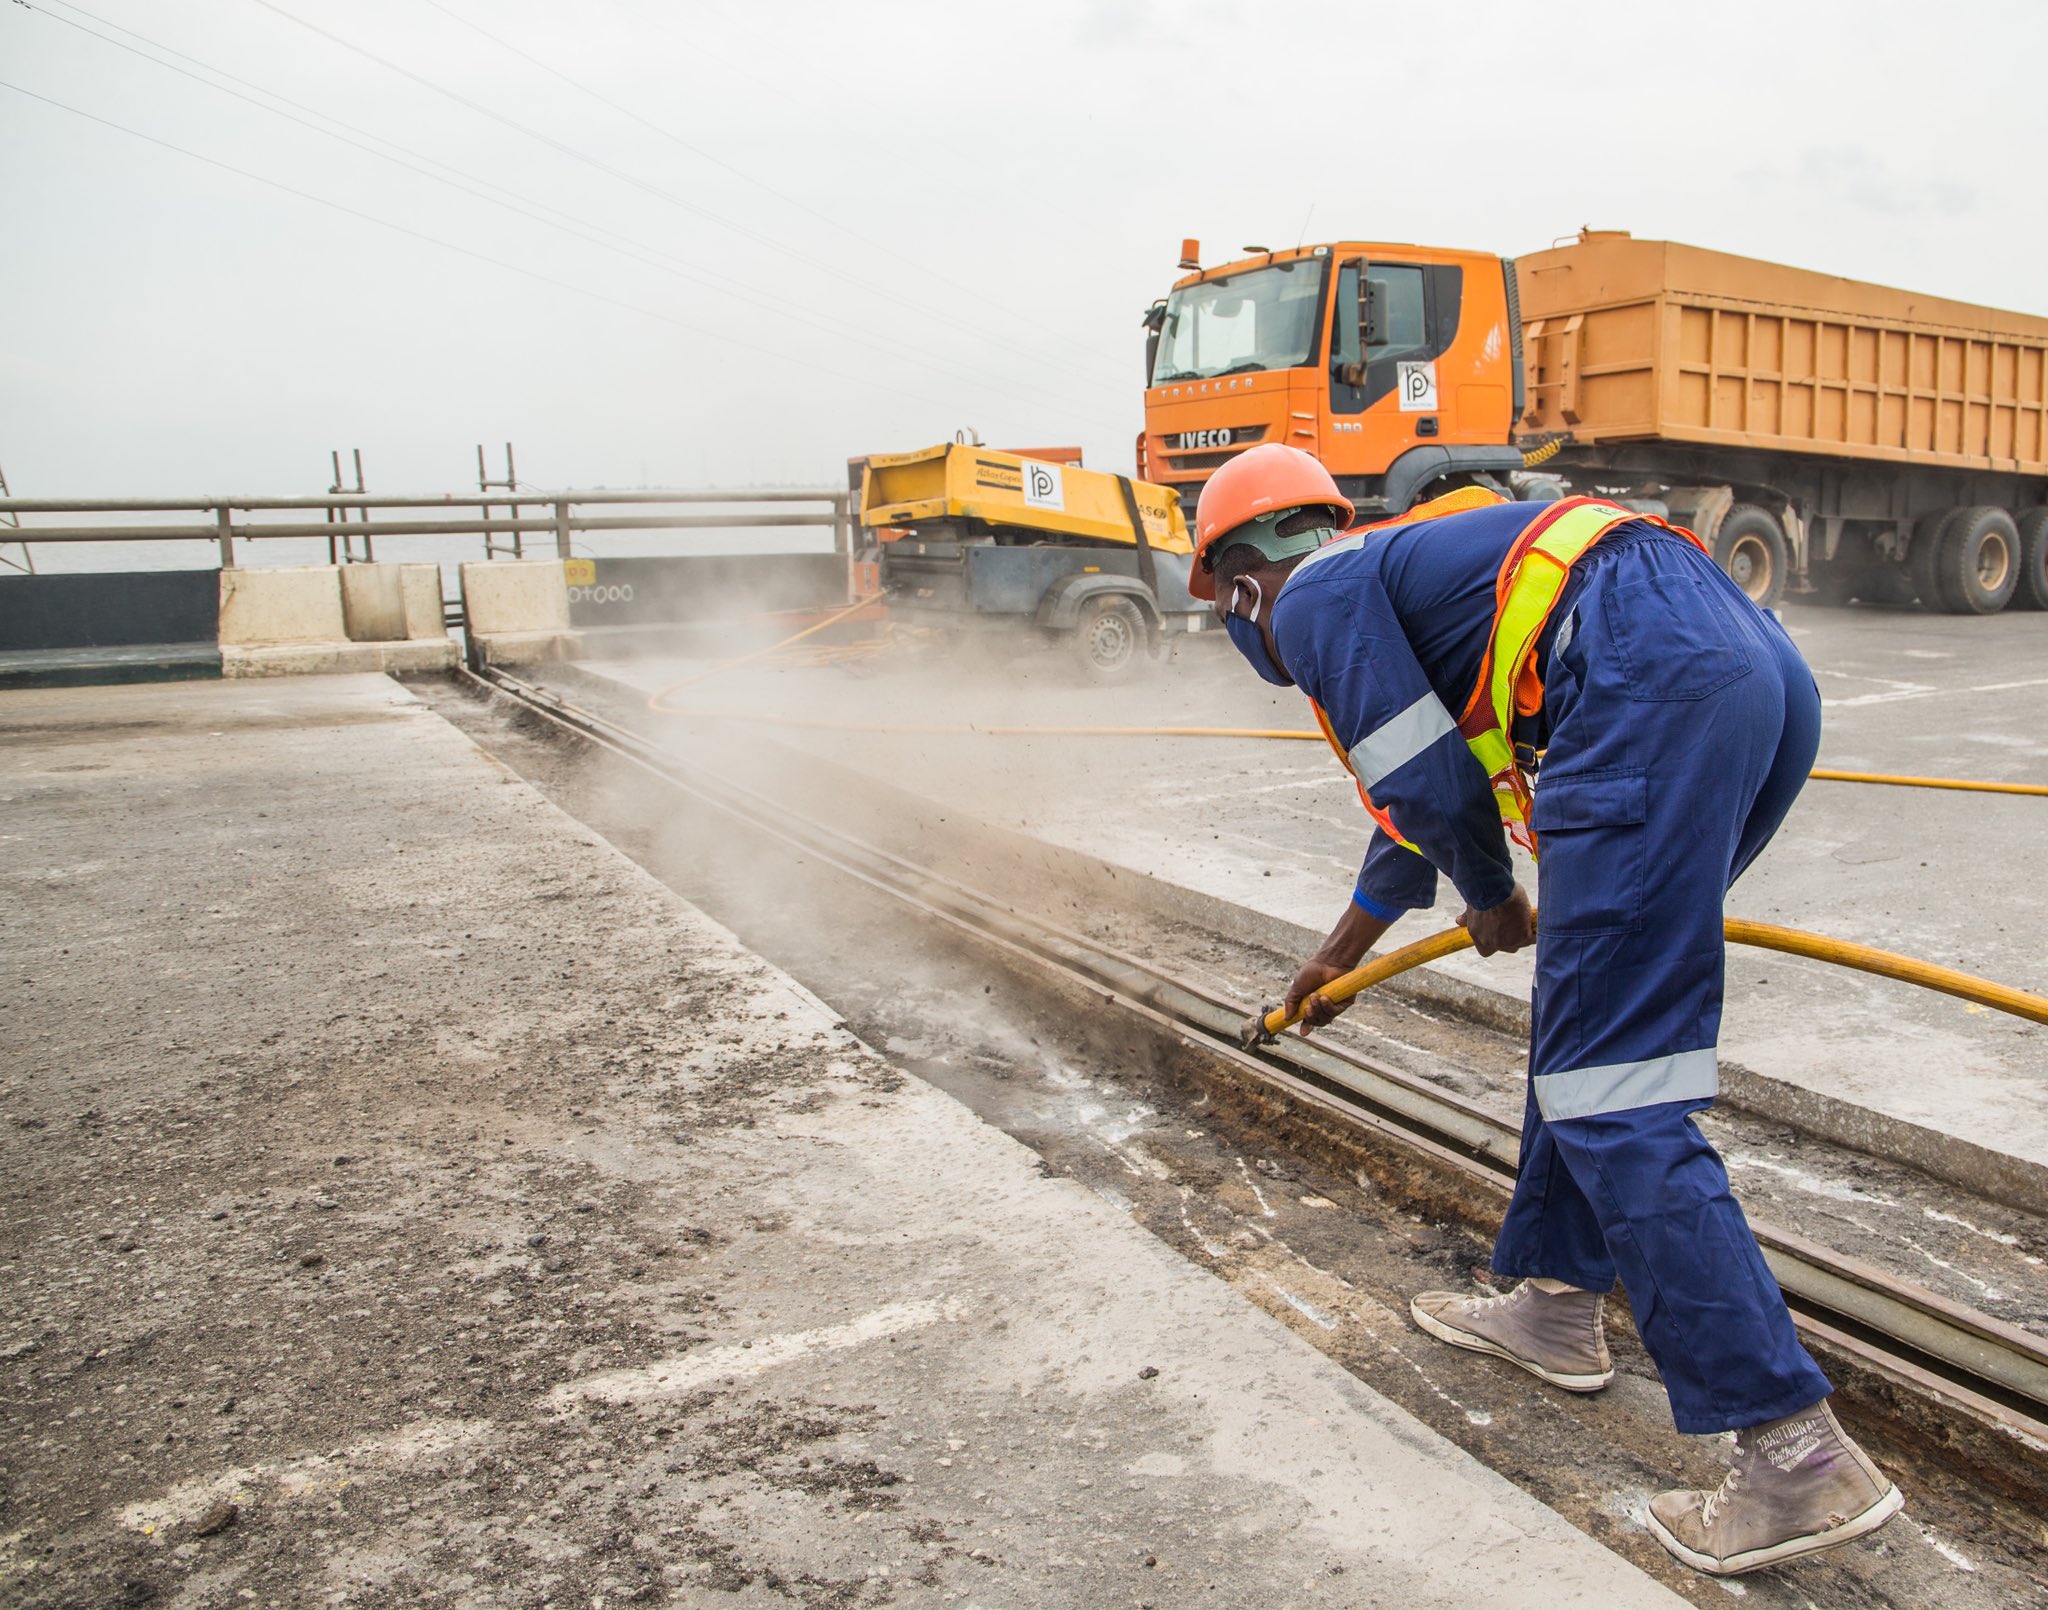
x,y
1444,651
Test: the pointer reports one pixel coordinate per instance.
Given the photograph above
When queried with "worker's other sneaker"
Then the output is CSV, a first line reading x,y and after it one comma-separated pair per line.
x,y
1552,1330
1794,1486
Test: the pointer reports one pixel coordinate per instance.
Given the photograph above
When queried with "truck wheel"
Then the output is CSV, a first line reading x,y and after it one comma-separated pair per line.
x,y
2032,592
1750,546
1834,582
1886,584
1923,560
1110,639
1978,558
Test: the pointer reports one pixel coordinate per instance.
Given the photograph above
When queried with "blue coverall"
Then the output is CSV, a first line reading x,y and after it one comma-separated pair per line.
x,y
1678,724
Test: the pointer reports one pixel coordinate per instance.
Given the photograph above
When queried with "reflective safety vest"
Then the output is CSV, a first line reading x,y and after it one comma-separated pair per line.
x,y
1532,578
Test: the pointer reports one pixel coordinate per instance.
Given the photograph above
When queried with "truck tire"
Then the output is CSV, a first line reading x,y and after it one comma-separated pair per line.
x,y
1978,560
1109,639
1750,546
2032,592
1923,561
1834,582
1886,584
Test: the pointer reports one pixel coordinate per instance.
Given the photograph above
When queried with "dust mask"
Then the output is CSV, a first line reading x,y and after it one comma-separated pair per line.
x,y
1249,640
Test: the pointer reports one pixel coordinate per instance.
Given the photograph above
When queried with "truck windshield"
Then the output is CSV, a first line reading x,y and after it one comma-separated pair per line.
x,y
1264,318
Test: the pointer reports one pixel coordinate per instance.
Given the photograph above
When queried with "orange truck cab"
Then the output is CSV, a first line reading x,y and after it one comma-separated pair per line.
x,y
1400,367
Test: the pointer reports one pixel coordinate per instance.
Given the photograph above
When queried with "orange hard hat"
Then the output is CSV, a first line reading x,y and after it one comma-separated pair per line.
x,y
1261,481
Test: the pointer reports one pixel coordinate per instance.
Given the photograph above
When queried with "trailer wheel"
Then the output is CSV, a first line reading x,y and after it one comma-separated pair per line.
x,y
1110,639
1978,560
2032,592
1923,560
1750,546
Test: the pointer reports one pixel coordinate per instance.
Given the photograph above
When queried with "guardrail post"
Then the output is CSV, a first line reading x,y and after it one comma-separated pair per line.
x,y
562,545
842,539
227,537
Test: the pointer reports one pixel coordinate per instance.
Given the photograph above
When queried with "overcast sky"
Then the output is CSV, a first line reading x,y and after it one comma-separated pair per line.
x,y
844,228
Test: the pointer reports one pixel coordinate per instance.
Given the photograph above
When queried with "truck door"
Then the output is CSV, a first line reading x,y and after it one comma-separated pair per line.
x,y
1392,322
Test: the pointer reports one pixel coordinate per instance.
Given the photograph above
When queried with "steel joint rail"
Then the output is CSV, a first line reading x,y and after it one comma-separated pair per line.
x,y
1929,1343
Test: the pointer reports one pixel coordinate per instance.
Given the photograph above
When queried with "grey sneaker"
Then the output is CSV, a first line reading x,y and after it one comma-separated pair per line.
x,y
1558,1336
1794,1486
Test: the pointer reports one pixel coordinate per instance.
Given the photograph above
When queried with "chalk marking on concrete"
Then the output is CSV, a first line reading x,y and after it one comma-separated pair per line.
x,y
1116,1199
1999,1236
1991,1293
303,1474
1301,1305
683,1372
1810,1183
1202,1241
1265,1207
1948,1552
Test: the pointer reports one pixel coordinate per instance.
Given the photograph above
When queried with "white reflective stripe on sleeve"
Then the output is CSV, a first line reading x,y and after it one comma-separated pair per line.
x,y
1396,742
1619,1086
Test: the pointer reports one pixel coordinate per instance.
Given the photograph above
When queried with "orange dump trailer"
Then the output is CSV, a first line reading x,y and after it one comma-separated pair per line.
x,y
1803,422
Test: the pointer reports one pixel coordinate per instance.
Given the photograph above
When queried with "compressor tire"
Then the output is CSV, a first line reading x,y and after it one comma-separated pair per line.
x,y
2032,591
1978,558
1110,639
1750,546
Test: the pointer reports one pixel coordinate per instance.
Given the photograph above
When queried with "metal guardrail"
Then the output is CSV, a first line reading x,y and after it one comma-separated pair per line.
x,y
465,515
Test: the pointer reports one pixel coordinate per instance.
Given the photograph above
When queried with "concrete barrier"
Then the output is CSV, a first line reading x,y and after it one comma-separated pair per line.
x,y
309,619
517,611
680,589
425,615
98,627
298,604
392,603
373,604
68,630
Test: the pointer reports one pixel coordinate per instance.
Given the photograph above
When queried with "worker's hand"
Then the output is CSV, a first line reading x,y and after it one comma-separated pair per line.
x,y
1507,926
1319,1009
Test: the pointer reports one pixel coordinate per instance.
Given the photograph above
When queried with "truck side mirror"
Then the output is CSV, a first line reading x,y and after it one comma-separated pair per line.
x,y
1155,321
1345,352
1373,312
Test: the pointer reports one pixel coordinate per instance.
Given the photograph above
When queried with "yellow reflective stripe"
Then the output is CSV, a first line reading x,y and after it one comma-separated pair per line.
x,y
1492,750
1532,594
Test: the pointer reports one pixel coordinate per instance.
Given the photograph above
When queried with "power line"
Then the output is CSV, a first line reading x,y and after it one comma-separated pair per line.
x,y
922,267
809,261
633,249
465,251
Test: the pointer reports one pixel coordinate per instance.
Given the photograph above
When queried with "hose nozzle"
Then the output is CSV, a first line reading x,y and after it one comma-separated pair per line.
x,y
1253,1033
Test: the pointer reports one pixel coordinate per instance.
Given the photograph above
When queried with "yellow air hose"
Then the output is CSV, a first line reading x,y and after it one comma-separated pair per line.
x,y
1969,785
968,729
654,700
1740,931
